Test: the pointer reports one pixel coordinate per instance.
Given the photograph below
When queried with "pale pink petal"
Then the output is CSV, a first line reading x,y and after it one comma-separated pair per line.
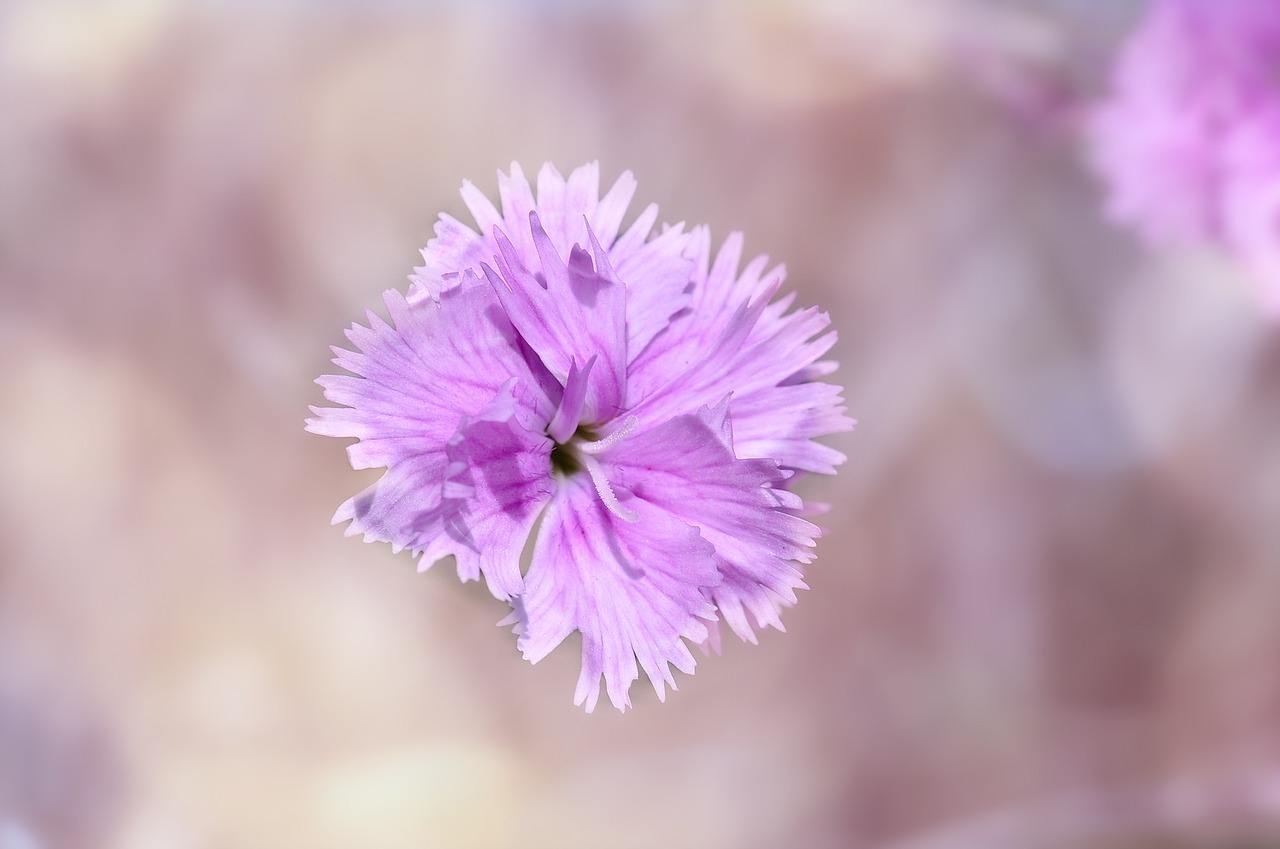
x,y
659,282
413,382
518,202
782,422
1251,201
577,311
606,220
634,590
403,506
496,483
735,339
565,206
686,466
481,208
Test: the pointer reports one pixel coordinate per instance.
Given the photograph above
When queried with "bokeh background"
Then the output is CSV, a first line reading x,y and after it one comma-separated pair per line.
x,y
1044,614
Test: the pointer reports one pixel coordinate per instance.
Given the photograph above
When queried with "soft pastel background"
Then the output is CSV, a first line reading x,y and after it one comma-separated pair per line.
x,y
1047,609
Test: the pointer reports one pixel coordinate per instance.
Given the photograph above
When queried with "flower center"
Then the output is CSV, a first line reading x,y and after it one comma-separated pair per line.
x,y
579,453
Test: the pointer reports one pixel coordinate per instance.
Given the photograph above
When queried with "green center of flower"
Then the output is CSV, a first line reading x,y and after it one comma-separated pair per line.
x,y
579,454
564,461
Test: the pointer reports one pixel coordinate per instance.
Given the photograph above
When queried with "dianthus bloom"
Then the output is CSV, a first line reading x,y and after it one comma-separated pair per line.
x,y
639,401
1189,140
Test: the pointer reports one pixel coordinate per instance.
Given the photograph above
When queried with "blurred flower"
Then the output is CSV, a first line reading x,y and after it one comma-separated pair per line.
x,y
1188,139
647,403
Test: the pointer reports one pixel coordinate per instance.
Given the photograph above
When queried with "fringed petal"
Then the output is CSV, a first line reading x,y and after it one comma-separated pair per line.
x,y
686,467
635,590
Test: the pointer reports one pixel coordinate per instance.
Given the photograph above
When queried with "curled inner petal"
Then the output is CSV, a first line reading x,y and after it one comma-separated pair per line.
x,y
569,414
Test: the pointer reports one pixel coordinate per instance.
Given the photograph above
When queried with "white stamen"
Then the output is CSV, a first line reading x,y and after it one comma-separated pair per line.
x,y
601,445
605,491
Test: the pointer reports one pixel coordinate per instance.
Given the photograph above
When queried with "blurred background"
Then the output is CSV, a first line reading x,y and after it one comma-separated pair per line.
x,y
1044,613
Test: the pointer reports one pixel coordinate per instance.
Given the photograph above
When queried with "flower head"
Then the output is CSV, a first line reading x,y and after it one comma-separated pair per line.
x,y
1187,139
642,403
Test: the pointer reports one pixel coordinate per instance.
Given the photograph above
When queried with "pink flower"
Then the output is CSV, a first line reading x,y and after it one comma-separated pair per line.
x,y
1187,139
646,402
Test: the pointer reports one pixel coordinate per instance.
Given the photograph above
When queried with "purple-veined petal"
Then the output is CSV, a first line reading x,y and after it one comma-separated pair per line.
x,y
413,382
735,339
715,294
687,467
497,480
575,312
658,276
606,219
516,196
566,208
445,260
401,507
634,590
777,419
481,208
781,422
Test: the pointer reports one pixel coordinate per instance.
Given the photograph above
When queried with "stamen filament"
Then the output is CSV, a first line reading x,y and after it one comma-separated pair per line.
x,y
601,445
593,467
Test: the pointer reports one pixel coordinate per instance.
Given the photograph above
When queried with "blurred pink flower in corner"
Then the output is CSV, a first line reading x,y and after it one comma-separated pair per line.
x,y
1189,139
